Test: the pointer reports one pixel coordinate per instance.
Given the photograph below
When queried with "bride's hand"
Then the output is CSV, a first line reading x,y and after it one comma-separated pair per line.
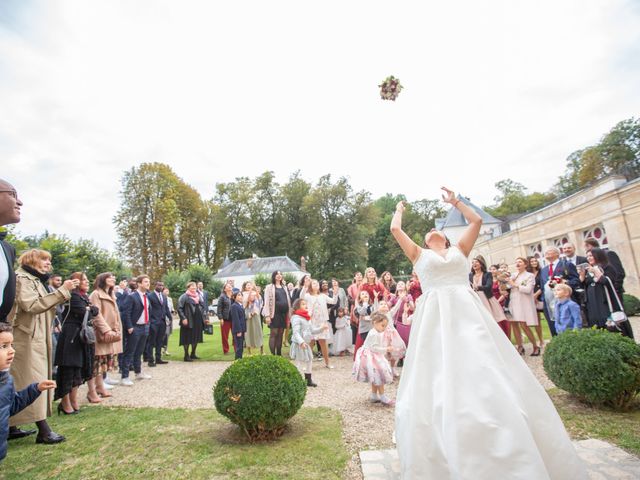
x,y
448,196
400,207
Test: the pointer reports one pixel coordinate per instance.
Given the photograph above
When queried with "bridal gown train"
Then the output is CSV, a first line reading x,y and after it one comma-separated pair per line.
x,y
468,407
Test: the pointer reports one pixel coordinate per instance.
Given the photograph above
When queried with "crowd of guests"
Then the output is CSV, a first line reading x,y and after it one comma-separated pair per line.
x,y
81,332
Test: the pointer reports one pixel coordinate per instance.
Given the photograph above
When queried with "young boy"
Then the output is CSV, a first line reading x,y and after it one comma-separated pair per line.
x,y
11,402
567,312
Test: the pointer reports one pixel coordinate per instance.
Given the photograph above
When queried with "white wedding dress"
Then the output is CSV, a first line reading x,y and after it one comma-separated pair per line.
x,y
468,407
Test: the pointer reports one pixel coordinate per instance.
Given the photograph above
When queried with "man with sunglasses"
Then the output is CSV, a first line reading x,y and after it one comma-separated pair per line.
x,y
9,213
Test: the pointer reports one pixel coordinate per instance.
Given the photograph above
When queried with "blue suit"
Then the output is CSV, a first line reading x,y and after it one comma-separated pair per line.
x,y
12,402
131,310
238,326
569,273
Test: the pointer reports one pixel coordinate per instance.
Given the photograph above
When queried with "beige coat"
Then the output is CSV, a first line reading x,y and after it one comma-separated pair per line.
x,y
32,314
107,320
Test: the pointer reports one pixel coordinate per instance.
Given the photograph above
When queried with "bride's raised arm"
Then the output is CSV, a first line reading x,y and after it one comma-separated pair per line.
x,y
468,238
409,247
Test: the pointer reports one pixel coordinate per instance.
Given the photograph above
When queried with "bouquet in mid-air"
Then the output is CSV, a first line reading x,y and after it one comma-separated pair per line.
x,y
390,88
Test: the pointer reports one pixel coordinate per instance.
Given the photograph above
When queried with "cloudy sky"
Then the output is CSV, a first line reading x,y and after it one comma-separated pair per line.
x,y
217,90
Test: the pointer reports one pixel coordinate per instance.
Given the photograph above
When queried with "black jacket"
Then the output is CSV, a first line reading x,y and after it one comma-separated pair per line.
x,y
224,306
238,320
487,284
159,312
9,293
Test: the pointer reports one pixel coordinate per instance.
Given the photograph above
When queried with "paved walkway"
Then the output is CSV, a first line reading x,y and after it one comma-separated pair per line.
x,y
604,462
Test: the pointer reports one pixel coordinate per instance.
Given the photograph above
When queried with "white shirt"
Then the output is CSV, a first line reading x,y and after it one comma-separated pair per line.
x,y
142,299
4,272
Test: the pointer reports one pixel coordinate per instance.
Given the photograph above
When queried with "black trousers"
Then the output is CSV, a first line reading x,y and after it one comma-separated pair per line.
x,y
157,333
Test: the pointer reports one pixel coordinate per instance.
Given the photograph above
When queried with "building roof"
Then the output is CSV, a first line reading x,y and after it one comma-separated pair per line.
x,y
253,266
455,218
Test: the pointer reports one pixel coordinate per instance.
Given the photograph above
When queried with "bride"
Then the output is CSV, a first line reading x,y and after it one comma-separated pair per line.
x,y
468,407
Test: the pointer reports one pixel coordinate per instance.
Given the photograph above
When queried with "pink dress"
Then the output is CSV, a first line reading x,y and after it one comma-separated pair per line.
x,y
403,330
522,303
392,339
370,365
491,304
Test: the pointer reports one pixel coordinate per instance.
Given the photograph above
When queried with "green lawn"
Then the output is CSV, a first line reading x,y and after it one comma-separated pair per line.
x,y
583,421
211,349
126,443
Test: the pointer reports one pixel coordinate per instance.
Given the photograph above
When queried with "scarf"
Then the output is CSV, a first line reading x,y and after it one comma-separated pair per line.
x,y
194,296
303,314
43,277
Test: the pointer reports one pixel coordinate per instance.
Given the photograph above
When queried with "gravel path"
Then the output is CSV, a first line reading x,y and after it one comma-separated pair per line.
x,y
366,426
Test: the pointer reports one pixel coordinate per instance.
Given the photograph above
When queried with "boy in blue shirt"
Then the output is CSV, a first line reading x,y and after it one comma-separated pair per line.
x,y
567,312
11,402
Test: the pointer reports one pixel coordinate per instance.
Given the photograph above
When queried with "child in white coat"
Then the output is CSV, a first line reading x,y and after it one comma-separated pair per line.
x,y
342,337
302,332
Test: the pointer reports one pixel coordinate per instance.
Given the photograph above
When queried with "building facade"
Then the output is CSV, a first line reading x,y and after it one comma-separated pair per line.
x,y
609,210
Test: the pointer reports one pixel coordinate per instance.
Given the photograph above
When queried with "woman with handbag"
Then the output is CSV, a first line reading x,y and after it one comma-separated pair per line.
x,y
602,300
108,328
74,353
35,308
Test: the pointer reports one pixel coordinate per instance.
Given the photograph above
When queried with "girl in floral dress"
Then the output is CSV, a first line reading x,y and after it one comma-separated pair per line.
x,y
392,339
371,365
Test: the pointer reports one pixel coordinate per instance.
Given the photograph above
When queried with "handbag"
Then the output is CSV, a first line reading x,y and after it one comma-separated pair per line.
x,y
615,318
87,333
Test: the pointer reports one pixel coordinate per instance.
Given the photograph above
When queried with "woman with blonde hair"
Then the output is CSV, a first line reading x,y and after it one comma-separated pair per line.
x,y
34,311
108,326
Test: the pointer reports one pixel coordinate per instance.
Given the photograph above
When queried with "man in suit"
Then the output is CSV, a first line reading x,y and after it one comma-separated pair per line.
x,y
160,313
555,267
204,295
135,312
9,213
614,261
569,251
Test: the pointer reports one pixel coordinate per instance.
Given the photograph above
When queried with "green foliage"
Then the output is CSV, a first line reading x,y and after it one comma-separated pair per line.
x,y
513,199
176,281
68,256
289,277
617,153
597,366
260,394
262,280
631,304
215,288
200,273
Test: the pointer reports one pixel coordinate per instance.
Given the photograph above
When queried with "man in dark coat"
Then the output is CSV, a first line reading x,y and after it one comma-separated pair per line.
x,y
614,261
158,325
9,213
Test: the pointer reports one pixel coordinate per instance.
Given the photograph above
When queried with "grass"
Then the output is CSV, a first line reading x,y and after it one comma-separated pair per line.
x,y
211,349
132,443
583,421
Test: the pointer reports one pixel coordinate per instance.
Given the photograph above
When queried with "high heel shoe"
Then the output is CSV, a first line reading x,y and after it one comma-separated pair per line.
x,y
62,410
536,352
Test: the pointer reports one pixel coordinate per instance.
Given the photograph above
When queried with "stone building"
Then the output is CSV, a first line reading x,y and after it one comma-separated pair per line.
x,y
608,210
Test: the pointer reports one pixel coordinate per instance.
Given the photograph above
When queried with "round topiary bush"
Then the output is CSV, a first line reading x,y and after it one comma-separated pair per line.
x,y
260,394
597,366
631,304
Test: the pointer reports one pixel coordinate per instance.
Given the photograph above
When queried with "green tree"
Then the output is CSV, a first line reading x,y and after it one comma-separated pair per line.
x,y
514,199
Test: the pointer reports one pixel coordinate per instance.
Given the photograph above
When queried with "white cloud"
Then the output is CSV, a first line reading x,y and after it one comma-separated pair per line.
x,y
217,90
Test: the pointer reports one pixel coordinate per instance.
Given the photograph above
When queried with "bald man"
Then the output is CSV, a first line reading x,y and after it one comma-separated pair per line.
x,y
9,213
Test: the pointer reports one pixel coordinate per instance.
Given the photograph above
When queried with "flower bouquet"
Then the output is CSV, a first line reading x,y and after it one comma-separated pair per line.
x,y
553,281
390,88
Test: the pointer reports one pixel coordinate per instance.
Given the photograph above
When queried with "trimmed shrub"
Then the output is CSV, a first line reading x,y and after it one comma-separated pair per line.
x,y
289,277
597,366
631,304
262,280
260,394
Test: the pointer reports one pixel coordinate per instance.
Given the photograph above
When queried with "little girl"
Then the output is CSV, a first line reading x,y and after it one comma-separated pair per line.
x,y
371,364
362,311
302,332
342,337
392,339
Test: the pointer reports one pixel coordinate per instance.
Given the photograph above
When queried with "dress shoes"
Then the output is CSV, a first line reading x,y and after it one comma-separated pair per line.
x,y
18,433
187,358
151,364
50,438
161,362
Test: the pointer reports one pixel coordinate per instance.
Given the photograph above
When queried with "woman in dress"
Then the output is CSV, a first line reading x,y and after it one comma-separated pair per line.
x,y
276,310
373,286
317,306
389,283
74,358
253,337
482,283
108,326
191,308
534,267
35,308
523,306
599,281
353,291
460,413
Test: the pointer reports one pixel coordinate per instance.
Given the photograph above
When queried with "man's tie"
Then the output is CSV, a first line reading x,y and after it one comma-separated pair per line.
x,y
550,270
160,298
